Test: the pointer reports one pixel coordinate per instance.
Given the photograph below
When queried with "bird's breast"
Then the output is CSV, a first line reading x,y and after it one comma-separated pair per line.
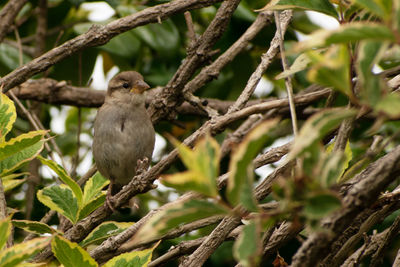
x,y
121,137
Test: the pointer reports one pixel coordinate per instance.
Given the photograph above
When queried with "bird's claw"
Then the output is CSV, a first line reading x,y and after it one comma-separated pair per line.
x,y
142,165
109,200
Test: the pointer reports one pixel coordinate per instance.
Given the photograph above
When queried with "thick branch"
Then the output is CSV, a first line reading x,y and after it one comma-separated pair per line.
x,y
60,93
197,55
374,180
212,242
99,35
212,71
143,182
113,243
219,234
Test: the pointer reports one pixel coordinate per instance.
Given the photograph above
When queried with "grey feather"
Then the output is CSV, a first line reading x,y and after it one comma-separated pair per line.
x,y
123,132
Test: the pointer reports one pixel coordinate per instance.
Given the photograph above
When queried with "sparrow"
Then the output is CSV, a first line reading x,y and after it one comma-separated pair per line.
x,y
123,131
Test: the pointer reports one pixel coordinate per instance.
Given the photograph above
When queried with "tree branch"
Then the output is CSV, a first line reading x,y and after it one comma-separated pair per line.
x,y
169,98
8,14
212,71
373,180
266,60
99,35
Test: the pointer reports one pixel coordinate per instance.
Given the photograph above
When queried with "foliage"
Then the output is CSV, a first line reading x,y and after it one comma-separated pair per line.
x,y
341,137
68,198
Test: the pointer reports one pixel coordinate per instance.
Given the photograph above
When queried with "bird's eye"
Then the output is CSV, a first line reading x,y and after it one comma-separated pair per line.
x,y
125,85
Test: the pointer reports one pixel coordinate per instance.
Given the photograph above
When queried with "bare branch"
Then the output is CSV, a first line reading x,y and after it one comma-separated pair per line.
x,y
212,242
99,35
393,231
8,14
212,71
191,32
266,60
288,80
373,180
197,55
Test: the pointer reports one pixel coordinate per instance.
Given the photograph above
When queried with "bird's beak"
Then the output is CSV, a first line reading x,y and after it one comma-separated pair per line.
x,y
140,87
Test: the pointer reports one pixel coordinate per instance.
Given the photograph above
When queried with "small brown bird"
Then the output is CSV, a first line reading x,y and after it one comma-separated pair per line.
x,y
123,131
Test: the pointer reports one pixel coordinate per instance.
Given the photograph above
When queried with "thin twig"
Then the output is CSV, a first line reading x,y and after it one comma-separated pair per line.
x,y
375,178
99,35
202,104
20,53
288,80
34,124
266,60
190,26
393,231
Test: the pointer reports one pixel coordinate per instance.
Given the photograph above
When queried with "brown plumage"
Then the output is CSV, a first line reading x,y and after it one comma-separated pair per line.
x,y
123,131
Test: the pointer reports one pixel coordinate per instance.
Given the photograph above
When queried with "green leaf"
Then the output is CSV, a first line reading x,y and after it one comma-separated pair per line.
x,y
351,32
5,231
203,168
10,257
10,184
382,9
241,170
19,150
164,37
17,144
323,6
332,69
369,54
390,105
244,12
61,199
316,127
14,176
9,58
62,174
34,227
91,206
134,258
104,231
93,187
125,45
174,215
320,205
300,63
247,248
337,163
10,181
70,254
7,116
332,168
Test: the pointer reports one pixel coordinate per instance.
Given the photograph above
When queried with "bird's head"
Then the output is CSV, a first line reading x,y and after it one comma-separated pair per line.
x,y
127,82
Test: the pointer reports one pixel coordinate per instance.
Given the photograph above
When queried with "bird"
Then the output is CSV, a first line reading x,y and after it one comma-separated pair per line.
x,y
123,131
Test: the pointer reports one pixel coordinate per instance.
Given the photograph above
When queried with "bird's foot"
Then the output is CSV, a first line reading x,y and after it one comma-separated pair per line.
x,y
109,200
142,165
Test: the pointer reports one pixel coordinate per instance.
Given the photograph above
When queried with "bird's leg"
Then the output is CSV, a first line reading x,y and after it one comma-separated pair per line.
x,y
109,202
141,166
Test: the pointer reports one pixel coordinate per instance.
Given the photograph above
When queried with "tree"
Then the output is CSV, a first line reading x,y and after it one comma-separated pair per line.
x,y
330,200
